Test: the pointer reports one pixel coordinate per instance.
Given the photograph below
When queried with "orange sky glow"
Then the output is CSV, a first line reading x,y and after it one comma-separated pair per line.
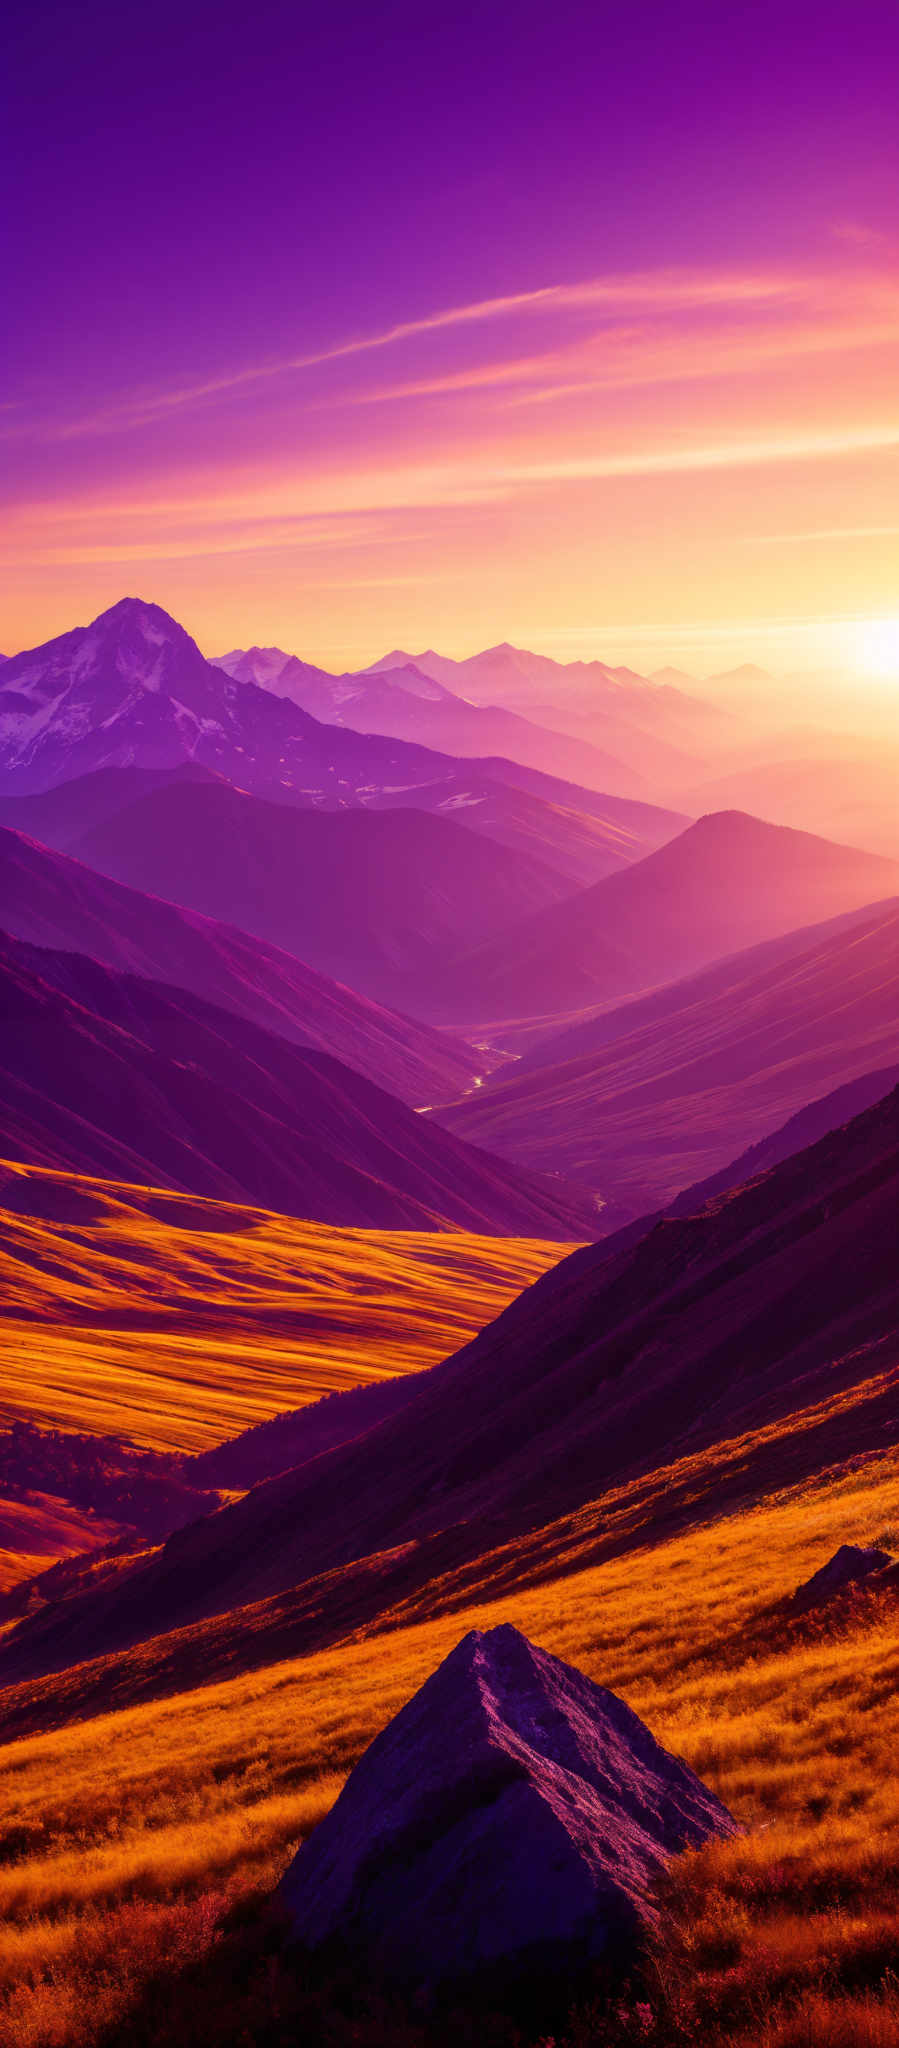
x,y
679,465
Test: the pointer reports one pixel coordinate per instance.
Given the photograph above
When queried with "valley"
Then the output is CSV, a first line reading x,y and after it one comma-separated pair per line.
x,y
343,1318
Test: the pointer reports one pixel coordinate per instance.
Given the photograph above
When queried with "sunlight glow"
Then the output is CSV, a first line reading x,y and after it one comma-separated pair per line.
x,y
876,648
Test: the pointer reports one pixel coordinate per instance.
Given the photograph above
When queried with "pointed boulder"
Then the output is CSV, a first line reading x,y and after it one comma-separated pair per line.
x,y
847,1567
512,1813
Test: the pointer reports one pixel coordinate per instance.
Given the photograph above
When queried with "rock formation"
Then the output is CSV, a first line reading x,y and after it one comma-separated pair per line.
x,y
512,1813
846,1567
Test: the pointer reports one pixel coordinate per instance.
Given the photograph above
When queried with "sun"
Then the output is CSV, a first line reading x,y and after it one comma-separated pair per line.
x,y
876,647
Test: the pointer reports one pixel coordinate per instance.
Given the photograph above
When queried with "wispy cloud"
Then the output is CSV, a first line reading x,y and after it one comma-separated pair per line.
x,y
362,508
670,290
677,344
800,447
814,533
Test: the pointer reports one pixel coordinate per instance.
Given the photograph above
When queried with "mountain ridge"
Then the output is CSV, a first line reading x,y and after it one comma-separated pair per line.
x,y
125,1079
52,899
682,906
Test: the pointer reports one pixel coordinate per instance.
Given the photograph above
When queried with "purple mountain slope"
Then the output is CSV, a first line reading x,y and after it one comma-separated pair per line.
x,y
408,704
51,900
382,900
134,689
112,1075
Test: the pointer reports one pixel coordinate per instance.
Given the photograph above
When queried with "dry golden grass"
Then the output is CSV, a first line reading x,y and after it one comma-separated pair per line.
x,y
177,1323
36,1530
143,1822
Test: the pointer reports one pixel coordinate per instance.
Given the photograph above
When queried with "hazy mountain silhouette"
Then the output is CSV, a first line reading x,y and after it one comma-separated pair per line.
x,y
50,900
406,703
381,900
112,1075
728,882
653,729
133,689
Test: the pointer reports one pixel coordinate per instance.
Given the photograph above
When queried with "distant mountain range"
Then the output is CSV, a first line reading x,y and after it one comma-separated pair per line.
x,y
134,689
116,1076
132,692
636,732
408,704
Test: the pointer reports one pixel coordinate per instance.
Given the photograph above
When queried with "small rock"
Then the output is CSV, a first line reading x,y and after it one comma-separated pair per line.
x,y
512,1811
846,1567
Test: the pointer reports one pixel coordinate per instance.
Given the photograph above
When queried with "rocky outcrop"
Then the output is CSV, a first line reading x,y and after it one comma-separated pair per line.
x,y
512,1813
848,1565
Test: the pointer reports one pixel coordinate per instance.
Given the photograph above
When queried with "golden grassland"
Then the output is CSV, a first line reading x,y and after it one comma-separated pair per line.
x,y
126,1839
35,1531
176,1322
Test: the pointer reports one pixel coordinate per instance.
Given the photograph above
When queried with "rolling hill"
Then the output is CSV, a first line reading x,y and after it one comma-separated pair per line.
x,y
728,882
177,1321
782,1296
124,1078
51,901
719,1062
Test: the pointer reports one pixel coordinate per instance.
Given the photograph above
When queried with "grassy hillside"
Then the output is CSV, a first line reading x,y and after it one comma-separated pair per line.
x,y
36,1531
176,1322
137,1846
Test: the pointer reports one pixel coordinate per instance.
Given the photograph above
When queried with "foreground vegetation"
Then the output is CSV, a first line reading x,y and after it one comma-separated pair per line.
x,y
138,1849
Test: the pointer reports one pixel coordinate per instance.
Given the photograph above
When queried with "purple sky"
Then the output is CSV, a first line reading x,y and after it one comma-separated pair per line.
x,y
207,197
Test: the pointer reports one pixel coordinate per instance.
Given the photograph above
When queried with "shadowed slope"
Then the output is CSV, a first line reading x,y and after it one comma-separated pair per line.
x,y
591,1030
728,882
583,845
582,834
601,1371
50,900
137,1082
58,816
37,1528
379,899
676,1099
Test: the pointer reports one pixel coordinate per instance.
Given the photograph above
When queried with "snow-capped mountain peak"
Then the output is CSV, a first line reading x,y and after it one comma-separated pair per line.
x,y
133,689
